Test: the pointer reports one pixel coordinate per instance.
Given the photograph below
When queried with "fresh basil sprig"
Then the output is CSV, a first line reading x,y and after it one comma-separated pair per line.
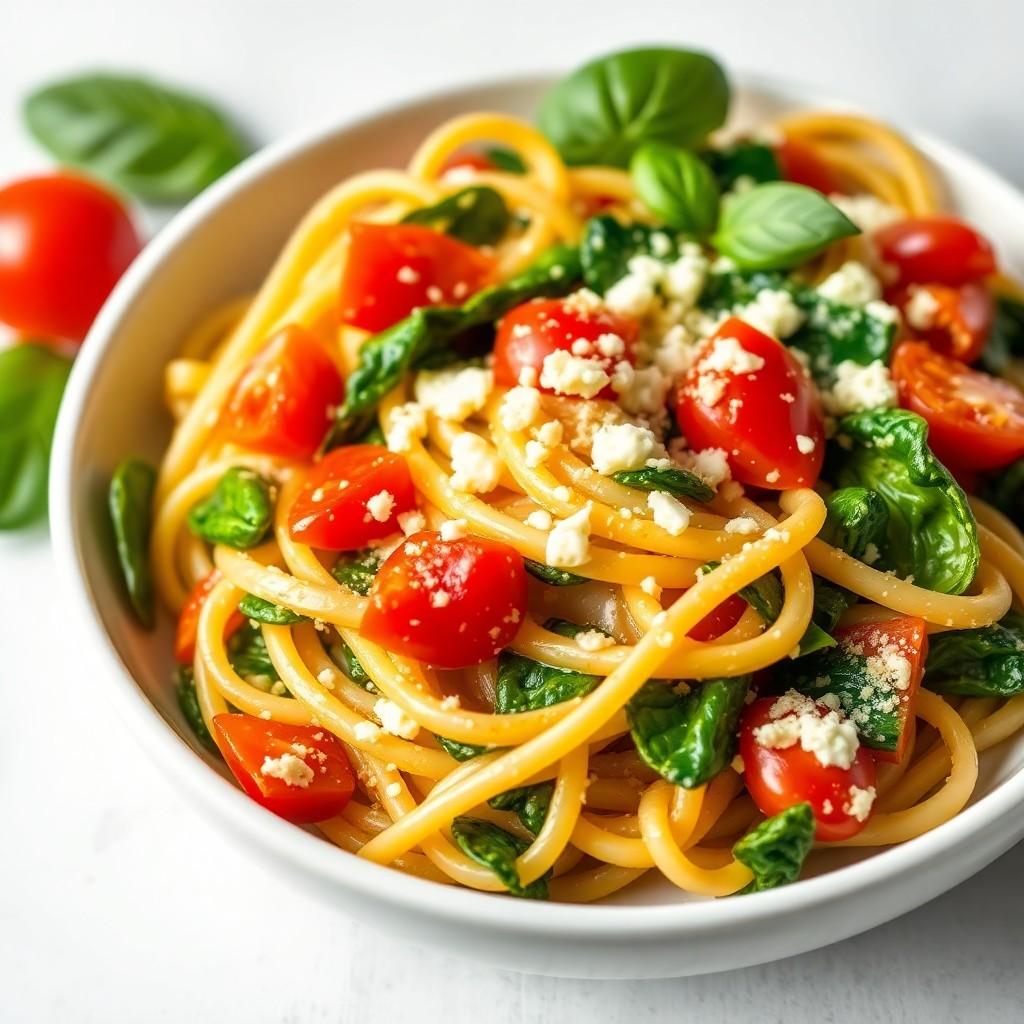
x,y
602,112
156,143
32,380
130,503
677,186
237,513
778,224
476,215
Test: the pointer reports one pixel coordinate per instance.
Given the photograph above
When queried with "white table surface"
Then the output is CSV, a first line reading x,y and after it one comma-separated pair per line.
x,y
117,901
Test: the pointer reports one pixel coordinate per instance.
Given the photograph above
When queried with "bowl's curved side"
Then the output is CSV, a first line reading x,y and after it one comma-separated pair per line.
x,y
218,247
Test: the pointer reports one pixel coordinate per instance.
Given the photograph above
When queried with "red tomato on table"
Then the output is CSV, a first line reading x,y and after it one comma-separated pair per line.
x,y
936,249
64,242
450,603
974,419
299,772
956,320
767,417
352,495
285,398
528,334
779,777
188,620
393,268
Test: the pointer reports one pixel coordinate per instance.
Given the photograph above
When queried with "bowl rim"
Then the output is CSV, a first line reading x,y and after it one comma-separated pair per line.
x,y
219,798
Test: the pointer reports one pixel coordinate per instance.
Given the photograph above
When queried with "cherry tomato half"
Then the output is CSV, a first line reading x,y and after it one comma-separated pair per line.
x,y
768,418
528,334
299,772
936,249
779,777
352,495
954,320
285,398
974,419
393,268
64,242
188,620
451,603
798,162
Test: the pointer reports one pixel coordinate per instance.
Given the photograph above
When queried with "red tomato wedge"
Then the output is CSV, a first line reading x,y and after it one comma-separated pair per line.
x,y
905,637
352,495
285,398
778,777
393,268
719,620
974,419
954,320
299,772
64,242
188,620
531,332
936,249
747,394
799,163
451,603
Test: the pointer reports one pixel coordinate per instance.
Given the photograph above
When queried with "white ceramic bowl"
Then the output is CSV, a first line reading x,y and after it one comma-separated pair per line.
x,y
220,246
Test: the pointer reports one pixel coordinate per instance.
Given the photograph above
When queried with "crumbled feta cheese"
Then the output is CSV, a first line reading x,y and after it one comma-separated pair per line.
x,y
774,312
805,445
539,520
380,506
289,768
550,433
860,803
640,391
728,355
406,275
797,719
710,464
476,466
649,585
366,732
566,374
568,543
455,393
453,529
411,522
394,720
871,553
858,388
591,640
633,294
536,453
852,285
669,513
520,408
393,790
407,424
683,279
921,309
451,702
621,446
583,302
742,525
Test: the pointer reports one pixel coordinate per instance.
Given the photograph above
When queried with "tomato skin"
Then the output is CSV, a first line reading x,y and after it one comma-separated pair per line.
x,y
531,332
246,742
750,419
719,620
973,418
910,635
961,321
327,515
468,160
779,778
799,163
67,241
284,399
485,584
393,268
188,620
935,249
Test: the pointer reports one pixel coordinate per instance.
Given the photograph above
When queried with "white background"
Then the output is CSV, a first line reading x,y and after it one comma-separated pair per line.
x,y
117,903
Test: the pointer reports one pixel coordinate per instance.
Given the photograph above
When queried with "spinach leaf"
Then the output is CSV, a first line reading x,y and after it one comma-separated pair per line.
x,y
498,850
687,738
460,751
259,610
188,702
358,570
986,662
159,144
857,518
345,658
778,224
829,604
426,336
1006,339
32,380
527,685
130,502
753,161
602,112
247,652
476,215
530,803
931,533
237,513
609,245
505,159
776,850
1005,490
677,186
680,482
552,576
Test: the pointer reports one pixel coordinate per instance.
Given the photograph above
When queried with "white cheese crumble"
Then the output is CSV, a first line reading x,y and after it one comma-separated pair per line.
x,y
860,803
476,466
710,464
773,312
649,585
366,732
289,768
455,393
407,424
566,374
728,355
851,285
539,520
406,275
742,525
591,640
394,720
412,522
568,543
622,446
805,445
380,506
798,719
669,512
453,529
519,408
921,309
858,388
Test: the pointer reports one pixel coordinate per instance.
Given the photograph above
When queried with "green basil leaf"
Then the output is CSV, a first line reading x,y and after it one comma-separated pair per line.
x,y
130,502
505,159
775,851
680,482
498,850
530,803
237,513
857,520
188,702
358,570
158,144
609,245
32,380
247,652
552,576
460,751
931,533
259,610
677,186
750,161
985,662
345,658
687,738
777,225
527,685
601,113
476,215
